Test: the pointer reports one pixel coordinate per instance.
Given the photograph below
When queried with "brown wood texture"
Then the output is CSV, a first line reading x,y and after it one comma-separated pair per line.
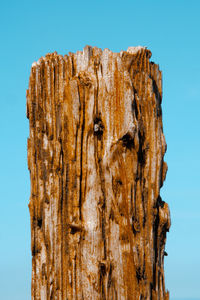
x,y
95,155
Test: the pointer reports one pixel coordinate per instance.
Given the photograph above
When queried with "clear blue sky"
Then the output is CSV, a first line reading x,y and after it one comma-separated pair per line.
x,y
171,30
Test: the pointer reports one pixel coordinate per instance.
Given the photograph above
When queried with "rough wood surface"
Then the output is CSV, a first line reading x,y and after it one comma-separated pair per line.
x,y
95,155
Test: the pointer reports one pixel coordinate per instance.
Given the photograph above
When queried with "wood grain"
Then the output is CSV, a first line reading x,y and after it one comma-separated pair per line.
x,y
95,155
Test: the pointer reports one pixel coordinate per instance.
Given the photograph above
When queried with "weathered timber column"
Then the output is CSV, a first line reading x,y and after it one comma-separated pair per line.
x,y
95,155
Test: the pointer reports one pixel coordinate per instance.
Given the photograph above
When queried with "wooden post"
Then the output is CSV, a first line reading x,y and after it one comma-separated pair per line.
x,y
95,155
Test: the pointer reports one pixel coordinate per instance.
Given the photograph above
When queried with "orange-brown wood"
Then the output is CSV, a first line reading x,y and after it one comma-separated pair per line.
x,y
95,155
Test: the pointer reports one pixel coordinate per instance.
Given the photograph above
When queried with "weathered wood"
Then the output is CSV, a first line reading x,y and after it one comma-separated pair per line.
x,y
95,155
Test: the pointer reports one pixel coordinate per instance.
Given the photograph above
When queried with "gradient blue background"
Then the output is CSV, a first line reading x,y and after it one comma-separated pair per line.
x,y
171,30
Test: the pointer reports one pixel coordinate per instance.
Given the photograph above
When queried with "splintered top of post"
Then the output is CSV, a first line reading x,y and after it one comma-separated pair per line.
x,y
91,63
90,51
